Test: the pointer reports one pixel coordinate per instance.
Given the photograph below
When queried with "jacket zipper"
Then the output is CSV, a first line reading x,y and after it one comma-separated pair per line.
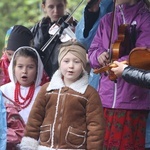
x,y
115,96
115,91
122,14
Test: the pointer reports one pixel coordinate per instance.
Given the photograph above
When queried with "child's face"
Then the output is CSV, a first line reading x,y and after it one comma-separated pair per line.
x,y
25,70
71,68
9,54
54,9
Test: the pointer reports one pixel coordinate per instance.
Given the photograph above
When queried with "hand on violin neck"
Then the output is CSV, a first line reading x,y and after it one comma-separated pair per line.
x,y
103,59
112,76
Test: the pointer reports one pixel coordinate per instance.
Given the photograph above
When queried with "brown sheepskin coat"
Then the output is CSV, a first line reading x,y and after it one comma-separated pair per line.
x,y
65,117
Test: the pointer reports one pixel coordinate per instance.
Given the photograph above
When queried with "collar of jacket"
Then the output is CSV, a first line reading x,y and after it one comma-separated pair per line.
x,y
131,8
79,86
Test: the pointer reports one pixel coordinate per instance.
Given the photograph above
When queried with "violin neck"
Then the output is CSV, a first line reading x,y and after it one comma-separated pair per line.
x,y
110,54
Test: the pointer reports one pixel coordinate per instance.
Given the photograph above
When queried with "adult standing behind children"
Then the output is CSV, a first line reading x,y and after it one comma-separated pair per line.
x,y
16,37
125,105
54,10
67,113
87,26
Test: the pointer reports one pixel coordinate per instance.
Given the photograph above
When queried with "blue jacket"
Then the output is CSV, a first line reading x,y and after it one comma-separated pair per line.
x,y
105,7
3,125
122,95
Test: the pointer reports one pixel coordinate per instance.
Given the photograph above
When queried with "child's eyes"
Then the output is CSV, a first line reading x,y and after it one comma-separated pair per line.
x,y
66,61
77,61
30,67
19,66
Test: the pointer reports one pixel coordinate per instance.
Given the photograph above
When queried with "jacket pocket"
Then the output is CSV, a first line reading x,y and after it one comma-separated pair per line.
x,y
45,133
75,137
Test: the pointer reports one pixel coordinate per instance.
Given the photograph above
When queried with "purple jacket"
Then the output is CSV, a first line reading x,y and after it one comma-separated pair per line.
x,y
122,94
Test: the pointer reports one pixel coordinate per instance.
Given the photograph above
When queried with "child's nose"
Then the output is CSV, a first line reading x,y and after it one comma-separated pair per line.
x,y
71,64
24,70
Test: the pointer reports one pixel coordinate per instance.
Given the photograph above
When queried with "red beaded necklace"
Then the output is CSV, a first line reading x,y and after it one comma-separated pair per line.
x,y
27,99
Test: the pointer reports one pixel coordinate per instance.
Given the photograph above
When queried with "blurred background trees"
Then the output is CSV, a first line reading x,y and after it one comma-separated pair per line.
x,y
27,13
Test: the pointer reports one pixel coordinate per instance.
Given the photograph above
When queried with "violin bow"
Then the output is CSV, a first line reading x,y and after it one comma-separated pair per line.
x,y
64,25
111,32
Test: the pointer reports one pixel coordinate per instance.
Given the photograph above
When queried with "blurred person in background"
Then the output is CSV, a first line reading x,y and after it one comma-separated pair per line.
x,y
87,26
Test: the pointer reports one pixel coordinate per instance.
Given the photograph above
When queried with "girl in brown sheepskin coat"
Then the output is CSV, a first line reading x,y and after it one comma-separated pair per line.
x,y
67,113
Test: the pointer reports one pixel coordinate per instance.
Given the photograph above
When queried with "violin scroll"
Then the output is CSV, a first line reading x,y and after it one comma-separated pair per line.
x,y
105,68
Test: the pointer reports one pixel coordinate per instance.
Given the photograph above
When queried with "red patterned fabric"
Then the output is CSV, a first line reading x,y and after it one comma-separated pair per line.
x,y
4,63
125,129
45,78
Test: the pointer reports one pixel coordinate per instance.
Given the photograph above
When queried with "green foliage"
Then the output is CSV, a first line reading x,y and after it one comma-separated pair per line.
x,y
27,13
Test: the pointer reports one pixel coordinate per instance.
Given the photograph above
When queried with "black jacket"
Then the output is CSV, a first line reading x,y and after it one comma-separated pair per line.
x,y
137,76
50,54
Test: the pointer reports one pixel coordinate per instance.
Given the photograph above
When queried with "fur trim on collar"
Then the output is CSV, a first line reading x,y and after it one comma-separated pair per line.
x,y
79,86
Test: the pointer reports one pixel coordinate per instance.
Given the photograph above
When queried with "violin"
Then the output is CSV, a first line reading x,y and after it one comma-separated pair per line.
x,y
108,68
114,54
115,49
67,33
139,57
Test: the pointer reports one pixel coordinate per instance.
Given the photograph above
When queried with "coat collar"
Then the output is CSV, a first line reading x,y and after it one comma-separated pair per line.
x,y
57,83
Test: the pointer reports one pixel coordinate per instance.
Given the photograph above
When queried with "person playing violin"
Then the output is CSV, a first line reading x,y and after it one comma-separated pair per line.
x,y
55,12
126,106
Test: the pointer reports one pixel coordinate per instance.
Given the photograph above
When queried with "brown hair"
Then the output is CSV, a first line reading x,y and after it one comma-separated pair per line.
x,y
25,52
44,1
